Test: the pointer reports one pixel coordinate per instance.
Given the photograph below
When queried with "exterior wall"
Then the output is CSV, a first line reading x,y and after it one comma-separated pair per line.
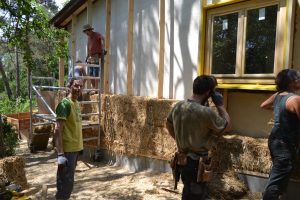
x,y
145,47
181,47
247,117
81,38
182,28
118,47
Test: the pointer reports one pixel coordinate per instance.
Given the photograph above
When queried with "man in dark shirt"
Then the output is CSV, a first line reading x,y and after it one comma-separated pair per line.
x,y
95,52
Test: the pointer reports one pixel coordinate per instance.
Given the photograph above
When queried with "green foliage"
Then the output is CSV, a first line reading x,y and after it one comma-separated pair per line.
x,y
25,25
10,139
14,106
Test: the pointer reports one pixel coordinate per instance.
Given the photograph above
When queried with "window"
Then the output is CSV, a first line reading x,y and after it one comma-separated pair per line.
x,y
244,41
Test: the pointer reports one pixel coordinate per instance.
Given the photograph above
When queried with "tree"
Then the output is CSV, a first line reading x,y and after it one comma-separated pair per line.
x,y
4,78
24,25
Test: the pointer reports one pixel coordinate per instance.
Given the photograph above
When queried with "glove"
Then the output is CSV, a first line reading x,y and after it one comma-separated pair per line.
x,y
62,160
217,98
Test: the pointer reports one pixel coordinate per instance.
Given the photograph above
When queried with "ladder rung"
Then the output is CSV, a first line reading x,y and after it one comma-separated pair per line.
x,y
88,102
89,139
88,77
41,123
43,78
50,87
45,116
86,126
89,114
88,65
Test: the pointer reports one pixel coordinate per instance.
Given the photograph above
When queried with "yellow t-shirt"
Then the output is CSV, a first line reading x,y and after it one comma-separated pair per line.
x,y
69,111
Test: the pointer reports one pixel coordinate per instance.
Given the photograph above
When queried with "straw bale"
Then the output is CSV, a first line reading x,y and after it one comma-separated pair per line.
x,y
12,170
243,153
226,185
135,125
43,128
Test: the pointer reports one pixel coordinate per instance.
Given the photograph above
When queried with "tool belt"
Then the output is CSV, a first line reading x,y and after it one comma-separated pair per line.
x,y
206,165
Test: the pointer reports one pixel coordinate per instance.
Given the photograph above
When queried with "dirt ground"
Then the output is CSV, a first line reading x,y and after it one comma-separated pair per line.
x,y
96,180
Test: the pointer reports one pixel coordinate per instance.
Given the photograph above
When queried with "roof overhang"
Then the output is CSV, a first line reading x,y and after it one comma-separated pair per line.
x,y
64,16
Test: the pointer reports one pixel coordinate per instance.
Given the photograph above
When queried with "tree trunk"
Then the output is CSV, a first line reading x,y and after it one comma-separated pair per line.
x,y
5,81
17,73
2,153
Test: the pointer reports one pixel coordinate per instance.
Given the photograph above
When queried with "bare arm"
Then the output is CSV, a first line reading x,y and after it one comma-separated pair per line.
x,y
58,131
223,113
293,105
103,43
268,103
170,129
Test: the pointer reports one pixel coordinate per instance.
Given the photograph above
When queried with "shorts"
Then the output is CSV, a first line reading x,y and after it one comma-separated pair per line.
x,y
77,72
94,71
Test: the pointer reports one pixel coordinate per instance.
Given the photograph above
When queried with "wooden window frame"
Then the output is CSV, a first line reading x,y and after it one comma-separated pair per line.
x,y
241,8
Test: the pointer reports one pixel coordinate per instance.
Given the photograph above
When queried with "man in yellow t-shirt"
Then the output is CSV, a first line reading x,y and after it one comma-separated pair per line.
x,y
68,139
193,125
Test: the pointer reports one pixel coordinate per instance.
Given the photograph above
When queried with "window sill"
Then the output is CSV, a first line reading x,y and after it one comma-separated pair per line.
x,y
247,87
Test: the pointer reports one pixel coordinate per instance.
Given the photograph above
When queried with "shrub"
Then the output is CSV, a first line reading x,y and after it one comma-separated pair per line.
x,y
9,139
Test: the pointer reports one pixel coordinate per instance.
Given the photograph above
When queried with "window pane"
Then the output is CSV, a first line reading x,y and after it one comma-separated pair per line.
x,y
260,40
224,44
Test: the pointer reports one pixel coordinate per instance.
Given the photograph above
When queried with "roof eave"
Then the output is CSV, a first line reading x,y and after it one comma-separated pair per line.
x,y
65,12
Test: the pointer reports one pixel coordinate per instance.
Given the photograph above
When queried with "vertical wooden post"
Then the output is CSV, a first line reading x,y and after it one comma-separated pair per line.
x,y
74,27
107,46
225,98
89,21
89,12
130,44
61,71
161,48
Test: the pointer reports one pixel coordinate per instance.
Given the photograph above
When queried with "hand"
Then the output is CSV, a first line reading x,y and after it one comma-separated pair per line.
x,y
217,98
104,52
62,160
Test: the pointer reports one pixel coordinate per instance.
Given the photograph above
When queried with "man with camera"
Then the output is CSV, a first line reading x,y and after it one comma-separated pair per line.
x,y
193,125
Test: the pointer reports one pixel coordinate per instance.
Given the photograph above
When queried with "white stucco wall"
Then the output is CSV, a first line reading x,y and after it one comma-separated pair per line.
x,y
81,38
181,47
145,47
118,47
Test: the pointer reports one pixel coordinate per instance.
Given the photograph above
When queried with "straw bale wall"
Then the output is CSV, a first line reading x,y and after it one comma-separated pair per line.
x,y
133,126
136,126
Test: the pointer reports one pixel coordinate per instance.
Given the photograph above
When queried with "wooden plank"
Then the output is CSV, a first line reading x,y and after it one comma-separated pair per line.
x,y
107,47
61,71
161,48
130,44
291,11
74,27
89,12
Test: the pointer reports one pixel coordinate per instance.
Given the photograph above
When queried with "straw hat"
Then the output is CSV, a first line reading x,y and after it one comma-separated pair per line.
x,y
87,27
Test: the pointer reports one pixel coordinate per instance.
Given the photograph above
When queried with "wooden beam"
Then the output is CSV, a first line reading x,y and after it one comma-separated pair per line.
x,y
130,44
89,11
107,47
89,21
74,27
161,48
61,71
